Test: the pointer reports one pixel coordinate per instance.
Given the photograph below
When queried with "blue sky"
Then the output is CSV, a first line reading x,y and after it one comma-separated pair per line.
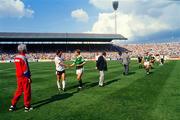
x,y
139,20
49,16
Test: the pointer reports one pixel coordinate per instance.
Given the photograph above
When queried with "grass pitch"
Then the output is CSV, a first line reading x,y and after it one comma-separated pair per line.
x,y
134,97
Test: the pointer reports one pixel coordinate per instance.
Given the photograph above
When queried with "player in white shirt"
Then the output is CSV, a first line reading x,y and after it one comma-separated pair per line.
x,y
60,70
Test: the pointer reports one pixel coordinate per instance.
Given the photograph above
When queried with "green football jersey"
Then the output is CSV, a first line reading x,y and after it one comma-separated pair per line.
x,y
147,58
79,60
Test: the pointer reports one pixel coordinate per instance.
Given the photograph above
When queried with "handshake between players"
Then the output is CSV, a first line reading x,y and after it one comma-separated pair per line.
x,y
60,69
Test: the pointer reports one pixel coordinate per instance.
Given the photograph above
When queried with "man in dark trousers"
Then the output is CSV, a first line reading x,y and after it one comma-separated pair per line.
x,y
101,65
125,61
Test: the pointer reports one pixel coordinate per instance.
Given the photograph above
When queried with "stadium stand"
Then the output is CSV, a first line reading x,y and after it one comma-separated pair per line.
x,y
42,46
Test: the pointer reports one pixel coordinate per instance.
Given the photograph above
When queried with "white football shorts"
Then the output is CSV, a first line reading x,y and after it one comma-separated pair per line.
x,y
79,71
147,63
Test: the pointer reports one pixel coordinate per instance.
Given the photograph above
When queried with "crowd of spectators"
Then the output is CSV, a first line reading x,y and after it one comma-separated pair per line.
x,y
66,55
170,50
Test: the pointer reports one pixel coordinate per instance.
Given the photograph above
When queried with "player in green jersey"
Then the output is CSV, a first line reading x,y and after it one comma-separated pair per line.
x,y
79,64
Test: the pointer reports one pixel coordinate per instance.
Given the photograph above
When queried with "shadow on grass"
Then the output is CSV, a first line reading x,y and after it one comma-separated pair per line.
x,y
75,86
105,84
53,99
111,81
131,73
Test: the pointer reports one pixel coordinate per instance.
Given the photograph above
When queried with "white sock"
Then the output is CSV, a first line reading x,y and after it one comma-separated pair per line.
x,y
63,84
58,84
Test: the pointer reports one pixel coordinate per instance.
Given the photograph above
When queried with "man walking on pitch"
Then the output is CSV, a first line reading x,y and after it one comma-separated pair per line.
x,y
79,63
140,61
125,61
23,75
101,65
161,59
60,70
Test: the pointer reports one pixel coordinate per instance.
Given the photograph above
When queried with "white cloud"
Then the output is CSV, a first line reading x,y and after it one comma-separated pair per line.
x,y
137,17
128,25
14,8
80,15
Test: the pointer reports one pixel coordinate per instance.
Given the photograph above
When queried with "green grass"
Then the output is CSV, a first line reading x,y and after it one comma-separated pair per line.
x,y
134,97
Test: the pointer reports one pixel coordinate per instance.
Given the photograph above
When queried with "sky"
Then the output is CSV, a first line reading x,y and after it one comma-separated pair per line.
x,y
141,21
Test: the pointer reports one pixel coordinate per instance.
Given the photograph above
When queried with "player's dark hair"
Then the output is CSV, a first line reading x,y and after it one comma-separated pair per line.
x,y
120,53
78,51
58,51
104,53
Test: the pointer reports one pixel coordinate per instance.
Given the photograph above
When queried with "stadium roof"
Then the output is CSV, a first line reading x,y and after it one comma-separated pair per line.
x,y
58,37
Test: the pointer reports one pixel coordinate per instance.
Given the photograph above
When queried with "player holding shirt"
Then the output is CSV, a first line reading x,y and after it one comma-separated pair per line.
x,y
147,59
60,70
79,63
